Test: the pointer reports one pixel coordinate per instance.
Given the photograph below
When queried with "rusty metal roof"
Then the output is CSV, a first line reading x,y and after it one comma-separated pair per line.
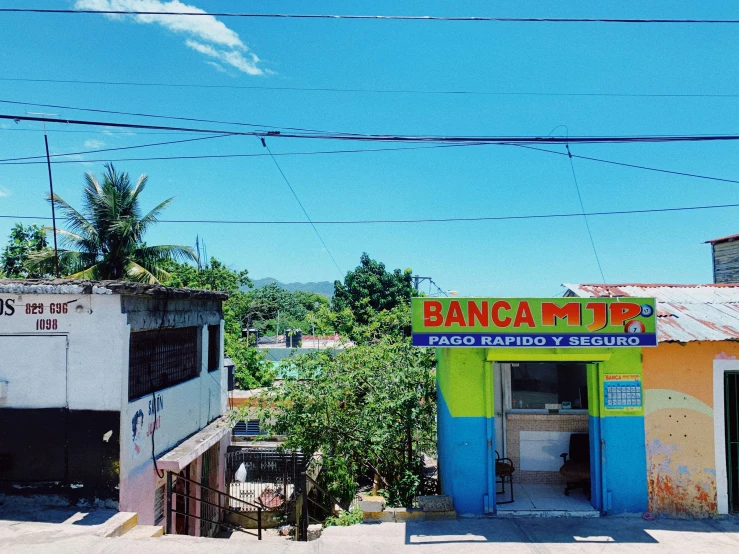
x,y
722,239
685,313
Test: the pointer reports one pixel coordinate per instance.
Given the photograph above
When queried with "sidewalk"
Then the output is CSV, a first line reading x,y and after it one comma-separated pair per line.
x,y
523,535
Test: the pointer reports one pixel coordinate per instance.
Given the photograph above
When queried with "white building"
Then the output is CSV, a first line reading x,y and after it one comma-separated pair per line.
x,y
105,386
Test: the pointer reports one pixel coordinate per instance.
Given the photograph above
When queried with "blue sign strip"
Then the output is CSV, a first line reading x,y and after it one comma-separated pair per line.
x,y
542,340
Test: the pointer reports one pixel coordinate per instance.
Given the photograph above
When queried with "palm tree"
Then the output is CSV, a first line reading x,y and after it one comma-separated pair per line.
x,y
107,241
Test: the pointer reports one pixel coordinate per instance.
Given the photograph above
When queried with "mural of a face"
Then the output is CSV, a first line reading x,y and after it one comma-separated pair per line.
x,y
137,424
634,327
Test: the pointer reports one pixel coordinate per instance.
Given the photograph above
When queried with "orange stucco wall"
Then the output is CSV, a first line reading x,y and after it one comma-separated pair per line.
x,y
678,406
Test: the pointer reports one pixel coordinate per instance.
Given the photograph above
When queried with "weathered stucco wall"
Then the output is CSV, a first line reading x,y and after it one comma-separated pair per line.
x,y
181,411
678,384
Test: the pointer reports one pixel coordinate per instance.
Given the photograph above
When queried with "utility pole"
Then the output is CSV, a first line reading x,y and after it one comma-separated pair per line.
x,y
417,280
51,190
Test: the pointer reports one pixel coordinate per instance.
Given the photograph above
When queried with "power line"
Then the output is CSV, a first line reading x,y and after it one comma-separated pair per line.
x,y
264,143
374,17
633,166
136,114
226,156
372,90
584,215
112,149
403,138
427,220
18,161
367,150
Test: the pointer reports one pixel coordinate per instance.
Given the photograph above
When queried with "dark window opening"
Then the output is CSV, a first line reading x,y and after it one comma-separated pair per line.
x,y
214,347
161,358
539,386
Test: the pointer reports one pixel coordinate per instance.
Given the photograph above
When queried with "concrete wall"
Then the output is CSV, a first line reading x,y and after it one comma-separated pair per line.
x,y
79,366
76,364
181,410
679,420
62,358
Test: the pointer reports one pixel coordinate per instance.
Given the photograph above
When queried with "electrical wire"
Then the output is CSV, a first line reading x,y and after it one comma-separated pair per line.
x,y
633,166
584,215
371,17
137,114
425,220
111,149
226,156
264,144
630,139
372,90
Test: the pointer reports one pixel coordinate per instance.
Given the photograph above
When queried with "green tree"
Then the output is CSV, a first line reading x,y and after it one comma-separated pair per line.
x,y
370,288
106,241
264,304
366,408
22,242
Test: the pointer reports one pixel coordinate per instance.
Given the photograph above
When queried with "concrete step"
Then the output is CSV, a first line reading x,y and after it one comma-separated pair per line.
x,y
144,532
119,524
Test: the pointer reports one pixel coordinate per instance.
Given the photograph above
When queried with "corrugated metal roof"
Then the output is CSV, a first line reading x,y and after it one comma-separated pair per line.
x,y
722,239
685,313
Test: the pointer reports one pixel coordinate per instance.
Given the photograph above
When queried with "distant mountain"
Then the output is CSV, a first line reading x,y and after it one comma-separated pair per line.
x,y
324,288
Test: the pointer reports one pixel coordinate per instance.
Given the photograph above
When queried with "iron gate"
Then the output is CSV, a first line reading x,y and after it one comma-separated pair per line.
x,y
271,477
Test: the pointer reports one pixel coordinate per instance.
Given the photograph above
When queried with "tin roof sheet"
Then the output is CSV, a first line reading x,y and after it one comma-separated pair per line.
x,y
722,239
685,313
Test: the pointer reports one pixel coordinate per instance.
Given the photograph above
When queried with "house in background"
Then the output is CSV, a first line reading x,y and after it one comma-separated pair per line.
x,y
107,386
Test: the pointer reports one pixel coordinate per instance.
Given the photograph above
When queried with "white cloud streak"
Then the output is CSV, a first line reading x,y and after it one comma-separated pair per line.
x,y
4,192
208,35
92,143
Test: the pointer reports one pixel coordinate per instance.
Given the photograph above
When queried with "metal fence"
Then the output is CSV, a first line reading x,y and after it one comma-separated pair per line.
x,y
270,480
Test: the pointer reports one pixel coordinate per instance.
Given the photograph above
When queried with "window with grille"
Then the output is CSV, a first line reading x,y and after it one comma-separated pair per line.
x,y
161,358
214,347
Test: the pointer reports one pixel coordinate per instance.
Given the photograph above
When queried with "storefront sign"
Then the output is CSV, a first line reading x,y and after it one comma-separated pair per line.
x,y
534,322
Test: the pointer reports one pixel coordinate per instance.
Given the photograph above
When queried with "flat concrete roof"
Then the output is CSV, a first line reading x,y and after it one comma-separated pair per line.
x,y
128,288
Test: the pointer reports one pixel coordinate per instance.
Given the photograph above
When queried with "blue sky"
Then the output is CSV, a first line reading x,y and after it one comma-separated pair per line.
x,y
509,258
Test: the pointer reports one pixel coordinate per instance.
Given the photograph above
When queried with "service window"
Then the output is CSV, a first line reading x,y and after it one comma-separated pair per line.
x,y
540,386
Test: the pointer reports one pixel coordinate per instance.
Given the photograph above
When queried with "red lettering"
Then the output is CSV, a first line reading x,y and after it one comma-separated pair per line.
x,y
621,312
454,315
600,315
524,315
478,312
570,311
432,313
495,312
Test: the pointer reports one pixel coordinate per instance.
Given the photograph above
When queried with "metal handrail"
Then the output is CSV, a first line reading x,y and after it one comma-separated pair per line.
x,y
329,495
219,492
247,514
258,534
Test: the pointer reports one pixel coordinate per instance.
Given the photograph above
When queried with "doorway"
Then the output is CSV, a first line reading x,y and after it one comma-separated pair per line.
x,y
543,427
731,411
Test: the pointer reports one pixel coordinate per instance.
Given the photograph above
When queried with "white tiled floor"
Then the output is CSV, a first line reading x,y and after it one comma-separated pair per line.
x,y
541,498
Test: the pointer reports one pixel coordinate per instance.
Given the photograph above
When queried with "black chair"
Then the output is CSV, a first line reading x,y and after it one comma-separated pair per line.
x,y
504,472
576,470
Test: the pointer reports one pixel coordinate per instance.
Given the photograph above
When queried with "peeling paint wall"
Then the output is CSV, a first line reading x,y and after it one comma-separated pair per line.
x,y
678,401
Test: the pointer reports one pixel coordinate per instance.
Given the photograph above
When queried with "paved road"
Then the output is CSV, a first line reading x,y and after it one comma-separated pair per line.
x,y
536,536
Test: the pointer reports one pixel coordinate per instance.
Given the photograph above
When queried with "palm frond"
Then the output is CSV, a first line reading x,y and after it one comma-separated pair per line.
x,y
77,222
153,215
163,252
139,273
